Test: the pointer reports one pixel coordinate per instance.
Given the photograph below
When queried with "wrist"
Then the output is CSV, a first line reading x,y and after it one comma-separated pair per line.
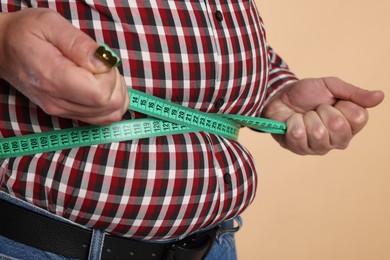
x,y
274,105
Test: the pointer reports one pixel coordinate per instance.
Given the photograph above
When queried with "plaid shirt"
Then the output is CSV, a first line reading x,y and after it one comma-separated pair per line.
x,y
207,55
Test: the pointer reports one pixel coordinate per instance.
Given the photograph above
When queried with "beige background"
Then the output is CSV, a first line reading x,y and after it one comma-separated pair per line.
x,y
335,207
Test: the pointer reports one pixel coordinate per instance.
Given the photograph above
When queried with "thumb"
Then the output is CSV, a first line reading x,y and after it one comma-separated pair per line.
x,y
345,91
75,44
374,98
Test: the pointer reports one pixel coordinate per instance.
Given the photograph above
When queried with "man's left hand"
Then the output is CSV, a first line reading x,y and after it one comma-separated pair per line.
x,y
321,114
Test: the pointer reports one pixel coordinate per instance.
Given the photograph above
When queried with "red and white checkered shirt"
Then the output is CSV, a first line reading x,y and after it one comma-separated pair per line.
x,y
209,55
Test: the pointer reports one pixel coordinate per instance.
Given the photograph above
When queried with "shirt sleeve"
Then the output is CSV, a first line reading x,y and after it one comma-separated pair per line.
x,y
279,75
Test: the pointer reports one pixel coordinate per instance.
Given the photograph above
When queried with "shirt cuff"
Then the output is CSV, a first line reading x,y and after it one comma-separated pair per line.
x,y
278,79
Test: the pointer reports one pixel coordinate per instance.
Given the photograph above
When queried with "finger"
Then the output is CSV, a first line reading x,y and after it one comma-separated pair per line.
x,y
110,116
101,120
118,100
76,105
295,137
356,115
317,133
349,92
68,109
78,85
62,109
338,127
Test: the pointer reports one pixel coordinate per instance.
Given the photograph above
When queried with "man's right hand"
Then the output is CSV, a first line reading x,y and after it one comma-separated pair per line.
x,y
53,63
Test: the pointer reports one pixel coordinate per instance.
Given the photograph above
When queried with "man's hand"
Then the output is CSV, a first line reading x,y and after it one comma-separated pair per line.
x,y
321,114
53,64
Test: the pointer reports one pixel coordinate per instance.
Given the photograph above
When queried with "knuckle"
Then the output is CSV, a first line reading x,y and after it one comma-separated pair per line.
x,y
104,94
110,100
297,133
320,133
101,97
117,100
360,117
47,16
337,123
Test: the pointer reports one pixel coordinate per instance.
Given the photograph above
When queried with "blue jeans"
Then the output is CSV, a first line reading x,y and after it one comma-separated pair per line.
x,y
223,249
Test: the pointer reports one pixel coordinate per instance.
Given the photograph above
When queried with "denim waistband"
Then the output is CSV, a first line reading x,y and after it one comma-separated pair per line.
x,y
96,243
226,226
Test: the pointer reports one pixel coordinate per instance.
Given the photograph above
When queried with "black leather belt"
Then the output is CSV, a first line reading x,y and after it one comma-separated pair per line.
x,y
62,238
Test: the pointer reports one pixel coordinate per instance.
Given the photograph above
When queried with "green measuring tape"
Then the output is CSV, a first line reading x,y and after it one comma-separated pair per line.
x,y
167,119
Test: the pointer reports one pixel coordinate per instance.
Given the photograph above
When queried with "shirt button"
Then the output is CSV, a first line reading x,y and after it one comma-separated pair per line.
x,y
228,180
219,16
219,103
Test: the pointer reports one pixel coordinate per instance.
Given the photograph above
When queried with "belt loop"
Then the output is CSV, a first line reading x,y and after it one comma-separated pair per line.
x,y
96,245
228,226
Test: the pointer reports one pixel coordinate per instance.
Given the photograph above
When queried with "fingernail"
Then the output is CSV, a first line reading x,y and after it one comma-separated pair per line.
x,y
107,56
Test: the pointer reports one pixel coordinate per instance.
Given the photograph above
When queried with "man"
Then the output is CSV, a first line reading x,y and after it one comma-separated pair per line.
x,y
210,56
